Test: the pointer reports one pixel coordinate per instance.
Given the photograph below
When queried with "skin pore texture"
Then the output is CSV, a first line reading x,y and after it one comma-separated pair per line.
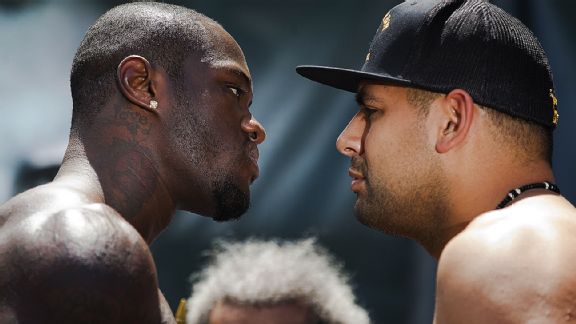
x,y
76,249
436,177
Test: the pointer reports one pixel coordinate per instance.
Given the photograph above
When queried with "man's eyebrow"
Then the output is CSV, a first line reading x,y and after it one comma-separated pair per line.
x,y
362,97
241,74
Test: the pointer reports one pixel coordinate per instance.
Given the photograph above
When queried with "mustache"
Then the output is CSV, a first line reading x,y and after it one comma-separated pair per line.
x,y
359,164
252,150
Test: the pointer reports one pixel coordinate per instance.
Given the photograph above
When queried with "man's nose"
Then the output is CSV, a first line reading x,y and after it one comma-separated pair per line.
x,y
349,142
255,130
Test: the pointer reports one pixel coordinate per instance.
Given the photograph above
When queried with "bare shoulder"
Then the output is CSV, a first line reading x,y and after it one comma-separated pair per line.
x,y
77,264
511,266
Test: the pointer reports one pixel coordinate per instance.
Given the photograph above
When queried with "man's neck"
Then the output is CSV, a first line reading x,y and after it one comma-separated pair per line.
x,y
475,193
123,178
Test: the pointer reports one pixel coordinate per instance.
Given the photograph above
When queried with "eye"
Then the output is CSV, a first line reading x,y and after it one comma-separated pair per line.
x,y
369,111
236,91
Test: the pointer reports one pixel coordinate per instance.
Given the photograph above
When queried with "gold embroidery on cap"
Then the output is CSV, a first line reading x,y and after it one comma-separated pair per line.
x,y
367,57
554,107
385,21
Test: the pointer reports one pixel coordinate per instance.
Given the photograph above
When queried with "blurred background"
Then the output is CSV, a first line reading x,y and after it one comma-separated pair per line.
x,y
303,188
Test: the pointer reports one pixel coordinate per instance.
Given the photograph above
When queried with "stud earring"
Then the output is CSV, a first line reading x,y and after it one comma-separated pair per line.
x,y
153,104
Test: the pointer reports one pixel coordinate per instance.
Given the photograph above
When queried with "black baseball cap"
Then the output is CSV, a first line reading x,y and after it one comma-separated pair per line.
x,y
466,44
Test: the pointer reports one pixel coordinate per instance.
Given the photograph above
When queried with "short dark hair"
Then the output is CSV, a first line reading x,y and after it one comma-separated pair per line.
x,y
528,139
162,33
421,99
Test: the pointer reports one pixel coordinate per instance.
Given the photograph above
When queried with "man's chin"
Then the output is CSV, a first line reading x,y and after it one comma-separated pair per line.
x,y
230,215
231,202
367,217
362,218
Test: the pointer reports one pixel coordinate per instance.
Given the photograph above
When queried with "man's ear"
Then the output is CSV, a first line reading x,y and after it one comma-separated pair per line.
x,y
134,75
457,113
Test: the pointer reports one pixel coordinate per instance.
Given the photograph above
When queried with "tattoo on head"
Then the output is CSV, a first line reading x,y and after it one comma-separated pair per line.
x,y
133,121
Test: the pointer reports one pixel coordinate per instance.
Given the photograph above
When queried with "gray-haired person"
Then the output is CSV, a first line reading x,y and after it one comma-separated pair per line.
x,y
273,282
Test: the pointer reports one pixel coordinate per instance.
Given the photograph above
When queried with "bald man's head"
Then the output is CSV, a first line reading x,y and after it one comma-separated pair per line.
x,y
162,33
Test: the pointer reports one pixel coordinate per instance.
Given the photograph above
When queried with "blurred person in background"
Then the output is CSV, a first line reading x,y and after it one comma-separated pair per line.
x,y
160,122
275,283
452,147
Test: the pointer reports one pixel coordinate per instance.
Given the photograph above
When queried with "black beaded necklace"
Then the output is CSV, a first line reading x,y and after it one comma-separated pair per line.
x,y
514,193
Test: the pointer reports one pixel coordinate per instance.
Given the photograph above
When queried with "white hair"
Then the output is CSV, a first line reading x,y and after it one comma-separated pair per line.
x,y
264,272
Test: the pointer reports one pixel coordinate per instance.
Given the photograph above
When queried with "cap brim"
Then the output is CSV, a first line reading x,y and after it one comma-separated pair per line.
x,y
344,79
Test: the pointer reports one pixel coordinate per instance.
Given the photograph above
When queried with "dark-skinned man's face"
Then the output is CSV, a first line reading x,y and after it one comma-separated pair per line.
x,y
213,132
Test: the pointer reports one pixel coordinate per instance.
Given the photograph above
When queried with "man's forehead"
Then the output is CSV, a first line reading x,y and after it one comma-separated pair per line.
x,y
375,91
278,312
226,54
220,64
223,47
372,86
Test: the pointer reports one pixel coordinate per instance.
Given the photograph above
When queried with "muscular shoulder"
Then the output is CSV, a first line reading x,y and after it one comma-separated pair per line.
x,y
84,230
76,263
47,199
510,266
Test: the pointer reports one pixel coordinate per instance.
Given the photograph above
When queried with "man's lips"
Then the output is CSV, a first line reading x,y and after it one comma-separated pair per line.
x,y
255,173
253,155
357,179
